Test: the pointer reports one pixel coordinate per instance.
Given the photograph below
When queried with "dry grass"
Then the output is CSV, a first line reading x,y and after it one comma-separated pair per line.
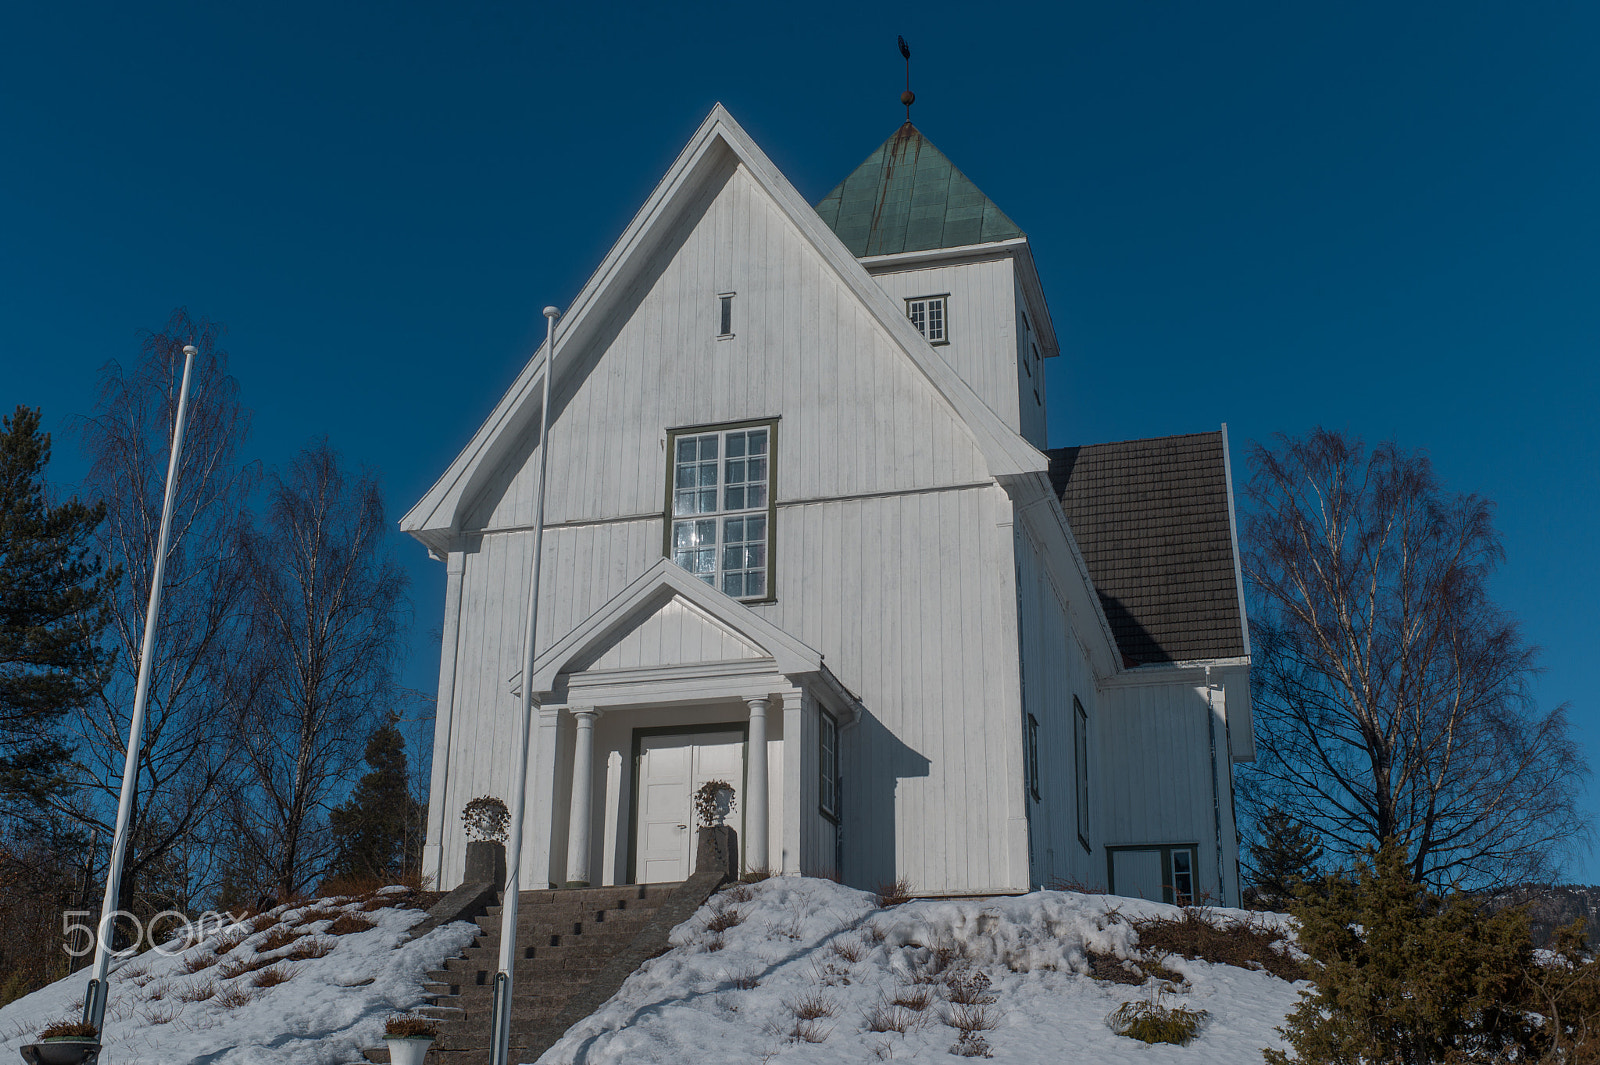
x,y
161,1014
275,975
755,876
811,1006
232,969
725,919
738,892
197,962
893,893
713,944
888,1016
197,992
809,1031
1110,968
874,934
916,999
68,1030
158,990
971,1045
1247,944
746,979
348,923
309,947
1061,883
233,997
967,987
851,950
971,1017
280,937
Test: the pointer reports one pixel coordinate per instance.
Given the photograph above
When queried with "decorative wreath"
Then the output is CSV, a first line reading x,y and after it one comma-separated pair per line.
x,y
486,820
708,807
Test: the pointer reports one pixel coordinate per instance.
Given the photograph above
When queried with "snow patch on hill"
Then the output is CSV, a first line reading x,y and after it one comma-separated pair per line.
x,y
730,992
328,1009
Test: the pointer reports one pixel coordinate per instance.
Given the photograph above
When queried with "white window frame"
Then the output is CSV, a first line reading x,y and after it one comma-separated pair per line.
x,y
931,316
703,519
1170,892
828,765
1033,758
725,315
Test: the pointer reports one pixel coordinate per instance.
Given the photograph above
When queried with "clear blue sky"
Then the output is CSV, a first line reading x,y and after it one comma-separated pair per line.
x,y
1377,217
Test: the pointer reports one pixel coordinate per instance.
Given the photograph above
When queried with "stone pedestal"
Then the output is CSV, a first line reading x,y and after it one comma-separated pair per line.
x,y
486,862
717,850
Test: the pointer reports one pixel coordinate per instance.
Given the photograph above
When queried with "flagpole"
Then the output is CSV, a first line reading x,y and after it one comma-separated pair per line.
x,y
94,1003
500,1010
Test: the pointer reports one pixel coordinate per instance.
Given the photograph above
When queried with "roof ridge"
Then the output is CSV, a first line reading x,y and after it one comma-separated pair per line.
x,y
1137,440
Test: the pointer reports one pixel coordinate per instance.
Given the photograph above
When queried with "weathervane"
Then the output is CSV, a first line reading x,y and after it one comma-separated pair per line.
x,y
908,97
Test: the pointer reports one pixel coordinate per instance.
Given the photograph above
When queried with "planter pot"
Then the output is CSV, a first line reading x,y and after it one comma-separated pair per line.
x,y
409,1051
486,862
61,1052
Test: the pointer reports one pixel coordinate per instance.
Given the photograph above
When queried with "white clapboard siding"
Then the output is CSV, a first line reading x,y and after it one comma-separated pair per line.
x,y
1055,667
1155,783
857,416
891,543
981,323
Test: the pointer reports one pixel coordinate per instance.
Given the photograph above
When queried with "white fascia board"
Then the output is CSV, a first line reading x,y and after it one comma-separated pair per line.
x,y
1033,290
1233,534
1041,510
663,580
702,159
1190,671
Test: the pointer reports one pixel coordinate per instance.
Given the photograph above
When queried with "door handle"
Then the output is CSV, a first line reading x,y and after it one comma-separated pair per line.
x,y
683,826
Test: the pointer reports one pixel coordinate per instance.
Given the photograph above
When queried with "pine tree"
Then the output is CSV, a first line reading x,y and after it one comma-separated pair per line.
x,y
51,594
1285,856
371,829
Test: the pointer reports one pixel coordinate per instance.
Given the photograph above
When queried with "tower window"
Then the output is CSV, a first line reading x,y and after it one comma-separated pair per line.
x,y
927,313
725,300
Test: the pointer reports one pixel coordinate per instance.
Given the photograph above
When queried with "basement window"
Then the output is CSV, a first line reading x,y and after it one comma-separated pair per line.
x,y
927,313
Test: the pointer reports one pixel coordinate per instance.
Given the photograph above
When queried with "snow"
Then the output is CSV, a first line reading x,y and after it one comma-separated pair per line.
x,y
324,1014
715,998
696,1003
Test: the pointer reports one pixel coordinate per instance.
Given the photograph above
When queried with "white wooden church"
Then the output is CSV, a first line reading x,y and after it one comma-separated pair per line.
x,y
803,534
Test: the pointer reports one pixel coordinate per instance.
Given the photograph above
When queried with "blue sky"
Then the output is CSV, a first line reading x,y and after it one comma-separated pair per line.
x,y
1380,218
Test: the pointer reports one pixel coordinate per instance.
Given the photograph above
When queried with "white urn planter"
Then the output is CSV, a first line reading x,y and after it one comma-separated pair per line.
x,y
410,1050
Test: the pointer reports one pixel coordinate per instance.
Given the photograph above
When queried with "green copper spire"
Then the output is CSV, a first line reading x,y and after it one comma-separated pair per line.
x,y
907,196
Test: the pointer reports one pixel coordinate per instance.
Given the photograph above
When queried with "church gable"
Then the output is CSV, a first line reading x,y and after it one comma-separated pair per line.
x,y
671,632
836,334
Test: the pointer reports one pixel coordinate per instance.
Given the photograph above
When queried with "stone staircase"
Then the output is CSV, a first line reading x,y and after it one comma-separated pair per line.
x,y
565,939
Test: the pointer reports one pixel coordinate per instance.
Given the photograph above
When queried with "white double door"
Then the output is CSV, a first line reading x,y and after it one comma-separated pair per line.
x,y
671,769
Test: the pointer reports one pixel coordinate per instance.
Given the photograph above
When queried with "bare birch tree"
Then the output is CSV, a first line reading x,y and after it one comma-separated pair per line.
x,y
326,603
185,756
1393,697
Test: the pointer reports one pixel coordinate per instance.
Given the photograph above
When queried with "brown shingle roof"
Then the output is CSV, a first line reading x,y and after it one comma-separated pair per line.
x,y
1151,518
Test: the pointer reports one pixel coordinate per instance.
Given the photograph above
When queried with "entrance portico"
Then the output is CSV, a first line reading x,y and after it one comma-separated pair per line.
x,y
667,686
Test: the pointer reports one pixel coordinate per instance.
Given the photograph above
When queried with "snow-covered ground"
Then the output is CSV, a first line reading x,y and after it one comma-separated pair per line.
x,y
813,947
328,1009
737,986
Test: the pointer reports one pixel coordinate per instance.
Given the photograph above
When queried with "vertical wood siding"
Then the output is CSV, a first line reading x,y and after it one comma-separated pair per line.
x,y
907,594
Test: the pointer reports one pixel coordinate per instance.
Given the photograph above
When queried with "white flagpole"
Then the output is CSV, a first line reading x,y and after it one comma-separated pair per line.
x,y
500,1014
94,1006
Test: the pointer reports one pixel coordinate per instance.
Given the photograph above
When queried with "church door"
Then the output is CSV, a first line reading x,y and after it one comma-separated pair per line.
x,y
671,768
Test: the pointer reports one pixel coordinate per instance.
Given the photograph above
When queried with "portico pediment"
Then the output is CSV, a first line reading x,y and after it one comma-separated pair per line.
x,y
668,620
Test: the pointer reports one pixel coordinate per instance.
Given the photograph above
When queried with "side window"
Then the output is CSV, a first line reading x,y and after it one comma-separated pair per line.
x,y
828,765
1033,757
1182,876
725,314
1080,744
927,313
719,521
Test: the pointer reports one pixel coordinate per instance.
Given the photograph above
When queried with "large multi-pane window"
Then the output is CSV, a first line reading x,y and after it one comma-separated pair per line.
x,y
722,508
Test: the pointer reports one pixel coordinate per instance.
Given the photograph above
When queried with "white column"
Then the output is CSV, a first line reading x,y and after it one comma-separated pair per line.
x,y
794,781
542,777
582,795
756,855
